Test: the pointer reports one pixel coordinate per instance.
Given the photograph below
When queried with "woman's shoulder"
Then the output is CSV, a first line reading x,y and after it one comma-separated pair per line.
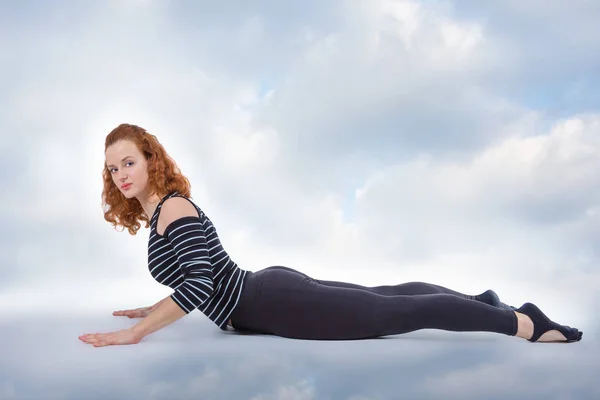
x,y
177,207
182,196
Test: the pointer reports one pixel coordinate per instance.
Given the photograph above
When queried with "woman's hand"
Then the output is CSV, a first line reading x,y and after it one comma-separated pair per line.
x,y
141,312
125,336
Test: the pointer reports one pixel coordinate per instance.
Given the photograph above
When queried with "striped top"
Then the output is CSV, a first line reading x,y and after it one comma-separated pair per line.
x,y
190,259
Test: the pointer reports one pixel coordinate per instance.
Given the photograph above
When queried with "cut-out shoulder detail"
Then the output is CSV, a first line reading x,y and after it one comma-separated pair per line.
x,y
172,209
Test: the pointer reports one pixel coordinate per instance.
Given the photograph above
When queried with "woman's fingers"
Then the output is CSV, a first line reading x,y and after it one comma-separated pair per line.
x,y
90,338
122,312
96,339
124,336
125,313
136,313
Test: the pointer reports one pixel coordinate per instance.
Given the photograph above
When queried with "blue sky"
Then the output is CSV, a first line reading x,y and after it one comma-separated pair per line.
x,y
375,142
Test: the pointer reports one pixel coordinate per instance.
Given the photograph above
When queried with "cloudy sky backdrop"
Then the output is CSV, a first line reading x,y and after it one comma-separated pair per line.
x,y
376,142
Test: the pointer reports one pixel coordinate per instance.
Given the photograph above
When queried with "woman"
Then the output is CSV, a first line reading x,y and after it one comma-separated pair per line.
x,y
143,184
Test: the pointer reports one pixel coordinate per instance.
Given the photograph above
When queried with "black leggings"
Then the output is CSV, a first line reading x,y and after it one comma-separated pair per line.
x,y
284,302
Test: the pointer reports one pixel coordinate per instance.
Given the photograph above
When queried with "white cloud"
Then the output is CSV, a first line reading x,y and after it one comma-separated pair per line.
x,y
7,391
286,123
299,391
519,367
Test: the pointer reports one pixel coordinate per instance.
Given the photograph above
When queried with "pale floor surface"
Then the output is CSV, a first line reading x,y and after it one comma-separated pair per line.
x,y
42,358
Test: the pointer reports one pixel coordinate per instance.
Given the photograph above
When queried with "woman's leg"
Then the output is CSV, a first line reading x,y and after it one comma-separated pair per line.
x,y
291,304
408,289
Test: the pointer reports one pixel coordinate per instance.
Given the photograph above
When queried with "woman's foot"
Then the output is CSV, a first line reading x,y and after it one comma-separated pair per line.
x,y
490,297
535,326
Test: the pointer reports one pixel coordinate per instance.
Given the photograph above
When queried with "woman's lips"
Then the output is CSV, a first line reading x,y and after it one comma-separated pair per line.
x,y
125,187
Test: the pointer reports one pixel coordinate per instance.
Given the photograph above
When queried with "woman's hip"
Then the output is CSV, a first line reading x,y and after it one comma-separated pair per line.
x,y
285,302
275,278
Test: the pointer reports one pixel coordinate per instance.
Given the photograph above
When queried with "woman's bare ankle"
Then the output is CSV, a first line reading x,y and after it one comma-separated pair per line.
x,y
525,326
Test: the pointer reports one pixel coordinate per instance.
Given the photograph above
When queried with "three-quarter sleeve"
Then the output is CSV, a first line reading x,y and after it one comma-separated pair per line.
x,y
187,237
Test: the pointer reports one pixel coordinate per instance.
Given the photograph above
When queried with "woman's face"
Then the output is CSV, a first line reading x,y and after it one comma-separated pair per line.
x,y
127,166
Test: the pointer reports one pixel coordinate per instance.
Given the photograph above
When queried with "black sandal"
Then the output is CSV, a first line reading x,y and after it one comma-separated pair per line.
x,y
543,324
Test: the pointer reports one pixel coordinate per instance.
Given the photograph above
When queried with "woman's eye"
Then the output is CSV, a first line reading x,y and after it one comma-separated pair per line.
x,y
112,170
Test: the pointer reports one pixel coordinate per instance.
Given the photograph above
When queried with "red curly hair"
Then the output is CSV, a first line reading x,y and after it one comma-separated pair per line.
x,y
164,177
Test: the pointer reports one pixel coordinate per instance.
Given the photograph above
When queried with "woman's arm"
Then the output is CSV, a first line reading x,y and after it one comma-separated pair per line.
x,y
185,234
166,313
140,312
154,307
